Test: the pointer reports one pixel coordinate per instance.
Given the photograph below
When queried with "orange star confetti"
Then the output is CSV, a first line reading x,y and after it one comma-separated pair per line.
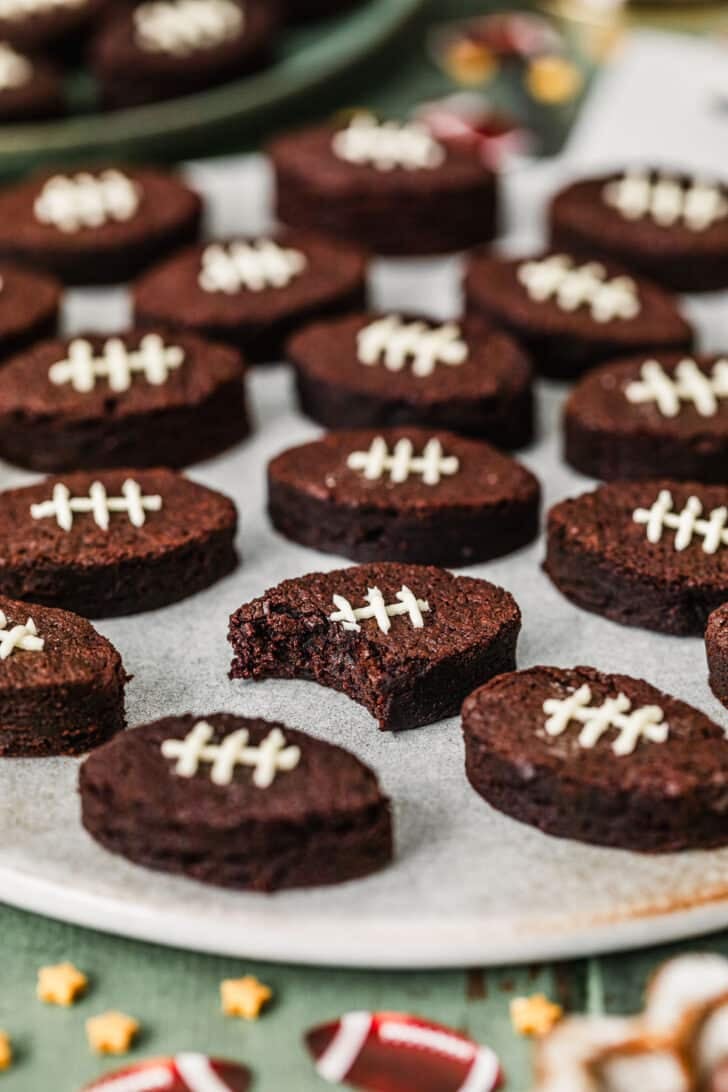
x,y
61,984
534,1015
111,1032
6,1051
244,997
553,80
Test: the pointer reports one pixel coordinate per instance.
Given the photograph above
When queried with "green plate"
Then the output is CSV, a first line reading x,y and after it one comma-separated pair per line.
x,y
224,118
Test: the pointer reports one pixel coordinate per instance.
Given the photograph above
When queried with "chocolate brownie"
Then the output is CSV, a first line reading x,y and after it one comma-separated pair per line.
x,y
114,543
716,643
651,554
670,228
408,642
61,682
598,758
571,313
403,495
30,88
237,802
55,27
392,187
154,50
183,1073
253,293
649,417
379,371
151,399
98,226
29,308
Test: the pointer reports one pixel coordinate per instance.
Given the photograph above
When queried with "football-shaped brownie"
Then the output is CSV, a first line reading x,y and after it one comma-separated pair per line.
x,y
651,417
155,50
404,494
389,186
379,371
116,542
30,89
253,292
236,802
408,642
598,758
148,399
29,307
716,643
183,1073
61,682
97,226
572,313
401,1053
652,554
672,228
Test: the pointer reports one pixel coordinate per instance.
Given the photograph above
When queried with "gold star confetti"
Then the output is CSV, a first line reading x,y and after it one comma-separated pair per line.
x,y
6,1051
61,984
553,80
244,997
534,1015
470,63
111,1032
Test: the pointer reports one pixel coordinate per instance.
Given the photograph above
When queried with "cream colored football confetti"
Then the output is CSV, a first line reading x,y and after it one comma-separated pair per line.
x,y
269,758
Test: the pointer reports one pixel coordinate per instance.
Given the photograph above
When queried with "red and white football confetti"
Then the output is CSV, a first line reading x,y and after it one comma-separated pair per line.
x,y
183,1073
394,1052
468,121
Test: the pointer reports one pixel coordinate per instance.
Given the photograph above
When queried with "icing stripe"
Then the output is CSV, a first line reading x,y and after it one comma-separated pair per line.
x,y
483,1075
343,1050
197,1073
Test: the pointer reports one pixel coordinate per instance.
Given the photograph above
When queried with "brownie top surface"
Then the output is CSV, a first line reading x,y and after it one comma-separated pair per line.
x,y
25,297
164,203
507,717
73,653
115,47
172,289
717,630
189,512
463,612
26,386
600,400
582,207
493,363
308,156
492,282
602,524
326,782
480,476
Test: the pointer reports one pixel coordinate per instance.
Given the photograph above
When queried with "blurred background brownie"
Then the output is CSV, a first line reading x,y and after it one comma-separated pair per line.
x,y
647,418
55,27
572,314
152,399
405,494
29,307
304,11
672,228
716,642
375,371
390,186
31,89
98,226
253,293
159,49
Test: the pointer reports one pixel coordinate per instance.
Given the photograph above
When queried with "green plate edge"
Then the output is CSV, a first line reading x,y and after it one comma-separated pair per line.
x,y
181,127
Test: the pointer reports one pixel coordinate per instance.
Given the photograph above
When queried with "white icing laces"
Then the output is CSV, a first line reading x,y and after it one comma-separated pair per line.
x,y
687,523
388,145
153,359
572,287
668,201
267,759
24,637
377,608
432,464
63,506
25,9
182,27
73,202
15,69
646,723
394,343
689,384
253,266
